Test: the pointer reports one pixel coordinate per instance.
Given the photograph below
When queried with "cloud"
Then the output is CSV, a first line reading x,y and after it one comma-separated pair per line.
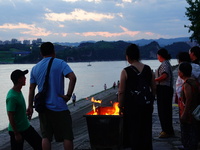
x,y
74,20
27,29
109,34
79,15
82,0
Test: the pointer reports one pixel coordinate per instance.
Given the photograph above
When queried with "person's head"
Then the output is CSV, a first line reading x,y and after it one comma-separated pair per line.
x,y
47,49
132,53
18,77
163,54
194,53
184,70
183,57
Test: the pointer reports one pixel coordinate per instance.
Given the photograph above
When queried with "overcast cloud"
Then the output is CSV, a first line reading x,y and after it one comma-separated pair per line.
x,y
82,20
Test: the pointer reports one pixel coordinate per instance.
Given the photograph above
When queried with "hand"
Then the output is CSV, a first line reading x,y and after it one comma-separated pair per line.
x,y
65,97
29,112
18,137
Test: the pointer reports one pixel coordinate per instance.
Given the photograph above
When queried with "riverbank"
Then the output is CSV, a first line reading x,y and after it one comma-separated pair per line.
x,y
79,125
82,141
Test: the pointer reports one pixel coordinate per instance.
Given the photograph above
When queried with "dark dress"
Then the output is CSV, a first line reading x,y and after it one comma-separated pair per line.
x,y
137,118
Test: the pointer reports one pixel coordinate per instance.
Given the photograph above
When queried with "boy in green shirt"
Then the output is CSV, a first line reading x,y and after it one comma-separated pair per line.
x,y
19,127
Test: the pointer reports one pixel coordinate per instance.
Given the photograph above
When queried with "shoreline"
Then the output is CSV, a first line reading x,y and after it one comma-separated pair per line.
x,y
80,105
96,94
83,106
78,101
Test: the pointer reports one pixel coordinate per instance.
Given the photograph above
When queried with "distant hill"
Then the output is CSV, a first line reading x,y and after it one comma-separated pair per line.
x,y
162,42
89,51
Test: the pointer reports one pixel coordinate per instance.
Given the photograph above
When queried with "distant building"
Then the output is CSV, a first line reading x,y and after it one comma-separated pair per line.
x,y
26,42
7,42
38,41
15,41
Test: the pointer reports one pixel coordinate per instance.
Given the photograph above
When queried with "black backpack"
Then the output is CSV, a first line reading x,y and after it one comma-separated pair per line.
x,y
141,92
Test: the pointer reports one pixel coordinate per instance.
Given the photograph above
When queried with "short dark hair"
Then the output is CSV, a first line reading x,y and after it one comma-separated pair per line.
x,y
16,74
47,48
133,52
196,51
185,68
164,53
183,57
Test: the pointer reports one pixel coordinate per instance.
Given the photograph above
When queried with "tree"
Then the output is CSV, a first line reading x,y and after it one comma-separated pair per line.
x,y
193,14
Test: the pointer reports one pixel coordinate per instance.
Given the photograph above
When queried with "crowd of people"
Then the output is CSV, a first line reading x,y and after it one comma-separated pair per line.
x,y
135,102
138,118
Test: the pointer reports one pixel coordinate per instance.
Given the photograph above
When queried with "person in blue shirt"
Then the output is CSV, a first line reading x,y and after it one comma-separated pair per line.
x,y
56,120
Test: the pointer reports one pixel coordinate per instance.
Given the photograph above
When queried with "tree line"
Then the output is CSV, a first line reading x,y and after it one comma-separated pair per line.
x,y
90,51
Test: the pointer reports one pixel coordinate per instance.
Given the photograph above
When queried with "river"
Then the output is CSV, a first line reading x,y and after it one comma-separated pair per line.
x,y
90,79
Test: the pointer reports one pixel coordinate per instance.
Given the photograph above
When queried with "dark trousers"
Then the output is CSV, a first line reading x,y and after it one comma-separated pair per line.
x,y
29,135
164,104
189,136
138,128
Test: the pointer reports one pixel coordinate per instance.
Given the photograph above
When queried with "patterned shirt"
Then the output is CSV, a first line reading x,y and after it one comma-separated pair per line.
x,y
165,67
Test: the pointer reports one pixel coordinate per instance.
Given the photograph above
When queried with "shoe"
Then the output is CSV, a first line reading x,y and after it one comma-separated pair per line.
x,y
164,135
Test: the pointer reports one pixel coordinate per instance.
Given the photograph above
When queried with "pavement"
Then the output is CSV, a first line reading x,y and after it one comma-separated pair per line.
x,y
158,143
82,141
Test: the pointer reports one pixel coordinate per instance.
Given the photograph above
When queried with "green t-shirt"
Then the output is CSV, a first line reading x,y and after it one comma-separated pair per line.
x,y
15,103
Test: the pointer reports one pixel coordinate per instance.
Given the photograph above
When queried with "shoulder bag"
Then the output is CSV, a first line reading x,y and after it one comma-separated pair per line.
x,y
39,99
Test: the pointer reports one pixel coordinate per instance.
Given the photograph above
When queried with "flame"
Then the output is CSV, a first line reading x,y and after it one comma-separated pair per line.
x,y
95,101
113,110
94,110
115,105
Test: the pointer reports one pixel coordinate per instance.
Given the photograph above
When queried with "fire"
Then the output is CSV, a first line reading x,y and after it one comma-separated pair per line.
x,y
115,105
94,110
113,110
96,101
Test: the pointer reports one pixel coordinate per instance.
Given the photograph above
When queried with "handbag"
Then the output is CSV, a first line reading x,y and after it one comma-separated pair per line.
x,y
39,99
196,113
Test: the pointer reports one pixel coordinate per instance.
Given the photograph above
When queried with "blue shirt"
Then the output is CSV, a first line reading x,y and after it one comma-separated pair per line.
x,y
58,71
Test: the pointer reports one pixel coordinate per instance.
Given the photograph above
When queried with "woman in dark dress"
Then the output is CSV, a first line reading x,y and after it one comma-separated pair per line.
x,y
137,117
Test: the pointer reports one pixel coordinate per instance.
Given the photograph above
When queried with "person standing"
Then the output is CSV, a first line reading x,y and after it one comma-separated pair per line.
x,y
19,127
194,53
189,100
185,57
74,99
105,87
164,92
137,126
56,120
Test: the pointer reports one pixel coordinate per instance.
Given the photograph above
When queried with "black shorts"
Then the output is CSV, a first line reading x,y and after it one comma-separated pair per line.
x,y
57,124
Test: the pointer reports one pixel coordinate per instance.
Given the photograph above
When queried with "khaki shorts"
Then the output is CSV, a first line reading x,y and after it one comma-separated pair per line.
x,y
57,124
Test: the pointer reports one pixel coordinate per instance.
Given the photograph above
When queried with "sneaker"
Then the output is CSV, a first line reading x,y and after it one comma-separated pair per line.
x,y
164,135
